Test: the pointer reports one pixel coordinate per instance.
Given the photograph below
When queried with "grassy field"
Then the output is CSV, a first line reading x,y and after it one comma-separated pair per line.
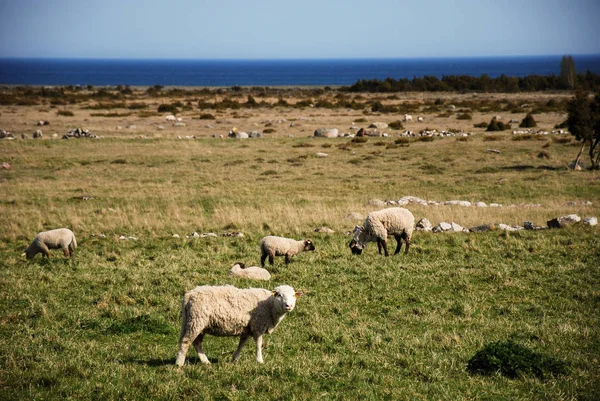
x,y
105,324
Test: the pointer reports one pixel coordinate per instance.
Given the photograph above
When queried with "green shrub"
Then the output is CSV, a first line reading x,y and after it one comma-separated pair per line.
x,y
513,360
402,141
496,125
361,120
137,106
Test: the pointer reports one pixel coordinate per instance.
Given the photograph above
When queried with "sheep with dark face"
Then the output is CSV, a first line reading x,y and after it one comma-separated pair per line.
x,y
272,246
395,221
62,238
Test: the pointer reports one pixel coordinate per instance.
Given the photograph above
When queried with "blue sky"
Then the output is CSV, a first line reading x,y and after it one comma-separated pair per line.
x,y
234,29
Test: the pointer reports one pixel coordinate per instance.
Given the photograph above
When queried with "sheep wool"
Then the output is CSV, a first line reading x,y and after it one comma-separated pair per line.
x,y
395,221
54,239
272,246
251,272
230,311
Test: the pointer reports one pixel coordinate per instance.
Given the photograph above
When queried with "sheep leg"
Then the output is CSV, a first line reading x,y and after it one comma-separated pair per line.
x,y
406,240
259,357
382,244
186,340
379,247
71,249
288,258
263,258
66,251
271,259
236,354
399,241
45,251
198,345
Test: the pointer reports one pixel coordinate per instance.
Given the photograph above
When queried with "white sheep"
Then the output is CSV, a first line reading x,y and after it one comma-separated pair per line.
x,y
53,239
230,311
396,221
272,246
251,272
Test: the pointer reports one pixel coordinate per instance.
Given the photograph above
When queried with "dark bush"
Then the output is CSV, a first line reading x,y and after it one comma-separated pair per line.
x,y
480,125
464,116
496,125
206,116
65,113
528,122
168,108
397,125
513,360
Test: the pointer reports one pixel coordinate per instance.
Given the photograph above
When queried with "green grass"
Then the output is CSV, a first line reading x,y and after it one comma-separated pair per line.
x,y
105,324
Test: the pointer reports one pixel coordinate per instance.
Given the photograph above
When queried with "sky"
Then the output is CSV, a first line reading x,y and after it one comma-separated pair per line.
x,y
281,29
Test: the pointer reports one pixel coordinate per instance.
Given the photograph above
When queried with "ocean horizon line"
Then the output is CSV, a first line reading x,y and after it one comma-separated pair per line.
x,y
293,59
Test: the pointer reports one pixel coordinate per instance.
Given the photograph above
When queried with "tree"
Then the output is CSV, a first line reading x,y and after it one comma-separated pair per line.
x,y
584,123
568,74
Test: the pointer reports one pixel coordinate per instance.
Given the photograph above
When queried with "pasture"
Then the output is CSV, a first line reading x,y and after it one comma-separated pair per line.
x,y
105,324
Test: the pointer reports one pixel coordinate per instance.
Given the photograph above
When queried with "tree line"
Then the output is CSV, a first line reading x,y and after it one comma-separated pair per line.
x,y
588,81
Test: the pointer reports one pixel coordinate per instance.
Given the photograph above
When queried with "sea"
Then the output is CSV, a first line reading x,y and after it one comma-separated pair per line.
x,y
276,72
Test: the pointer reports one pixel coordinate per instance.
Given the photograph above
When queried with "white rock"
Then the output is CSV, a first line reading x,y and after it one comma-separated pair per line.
x,y
592,221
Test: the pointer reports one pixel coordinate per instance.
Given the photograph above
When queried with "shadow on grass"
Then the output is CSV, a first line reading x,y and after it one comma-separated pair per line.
x,y
155,363
525,167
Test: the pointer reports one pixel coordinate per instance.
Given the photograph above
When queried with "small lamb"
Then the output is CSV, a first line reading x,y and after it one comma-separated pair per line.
x,y
53,239
251,272
397,221
272,246
230,311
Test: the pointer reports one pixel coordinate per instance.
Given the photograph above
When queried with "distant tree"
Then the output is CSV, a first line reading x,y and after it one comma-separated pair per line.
x,y
528,122
568,74
496,125
584,123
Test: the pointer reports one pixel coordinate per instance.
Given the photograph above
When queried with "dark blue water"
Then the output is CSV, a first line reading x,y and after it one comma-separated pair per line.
x,y
270,72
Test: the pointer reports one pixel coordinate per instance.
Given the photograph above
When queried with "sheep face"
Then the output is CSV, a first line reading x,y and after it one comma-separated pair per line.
x,y
308,245
355,244
285,298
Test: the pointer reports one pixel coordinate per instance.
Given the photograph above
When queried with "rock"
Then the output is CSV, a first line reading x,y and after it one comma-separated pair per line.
x,y
424,225
324,229
376,202
204,235
563,221
354,216
456,227
5,166
179,124
176,236
481,228
326,132
378,125
255,134
321,154
591,221
506,227
445,226
233,234
480,204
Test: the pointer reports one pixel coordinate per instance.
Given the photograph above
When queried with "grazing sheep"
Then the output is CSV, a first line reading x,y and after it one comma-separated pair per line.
x,y
230,311
251,272
272,246
53,239
396,221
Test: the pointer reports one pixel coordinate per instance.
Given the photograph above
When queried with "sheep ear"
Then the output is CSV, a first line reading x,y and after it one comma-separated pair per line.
x,y
274,293
298,294
23,254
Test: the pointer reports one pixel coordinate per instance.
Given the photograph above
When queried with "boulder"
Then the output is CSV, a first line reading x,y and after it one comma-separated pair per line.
x,y
378,125
324,229
591,221
481,228
326,132
563,221
255,134
424,225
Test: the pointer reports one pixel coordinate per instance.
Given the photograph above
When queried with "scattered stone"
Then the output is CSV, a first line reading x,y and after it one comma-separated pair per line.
x,y
424,225
492,151
457,228
123,237
321,154
324,229
506,227
563,221
233,234
5,166
591,221
480,204
376,202
326,132
98,235
481,228
176,236
354,216
378,125
255,134
204,235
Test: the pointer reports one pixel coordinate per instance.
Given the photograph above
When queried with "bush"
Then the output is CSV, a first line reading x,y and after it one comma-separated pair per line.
x,y
168,108
480,125
359,139
65,113
464,116
513,360
528,122
397,125
496,125
269,130
206,116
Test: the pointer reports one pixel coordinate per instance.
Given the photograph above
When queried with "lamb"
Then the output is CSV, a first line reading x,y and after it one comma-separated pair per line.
x,y
53,239
272,246
230,311
396,221
251,272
